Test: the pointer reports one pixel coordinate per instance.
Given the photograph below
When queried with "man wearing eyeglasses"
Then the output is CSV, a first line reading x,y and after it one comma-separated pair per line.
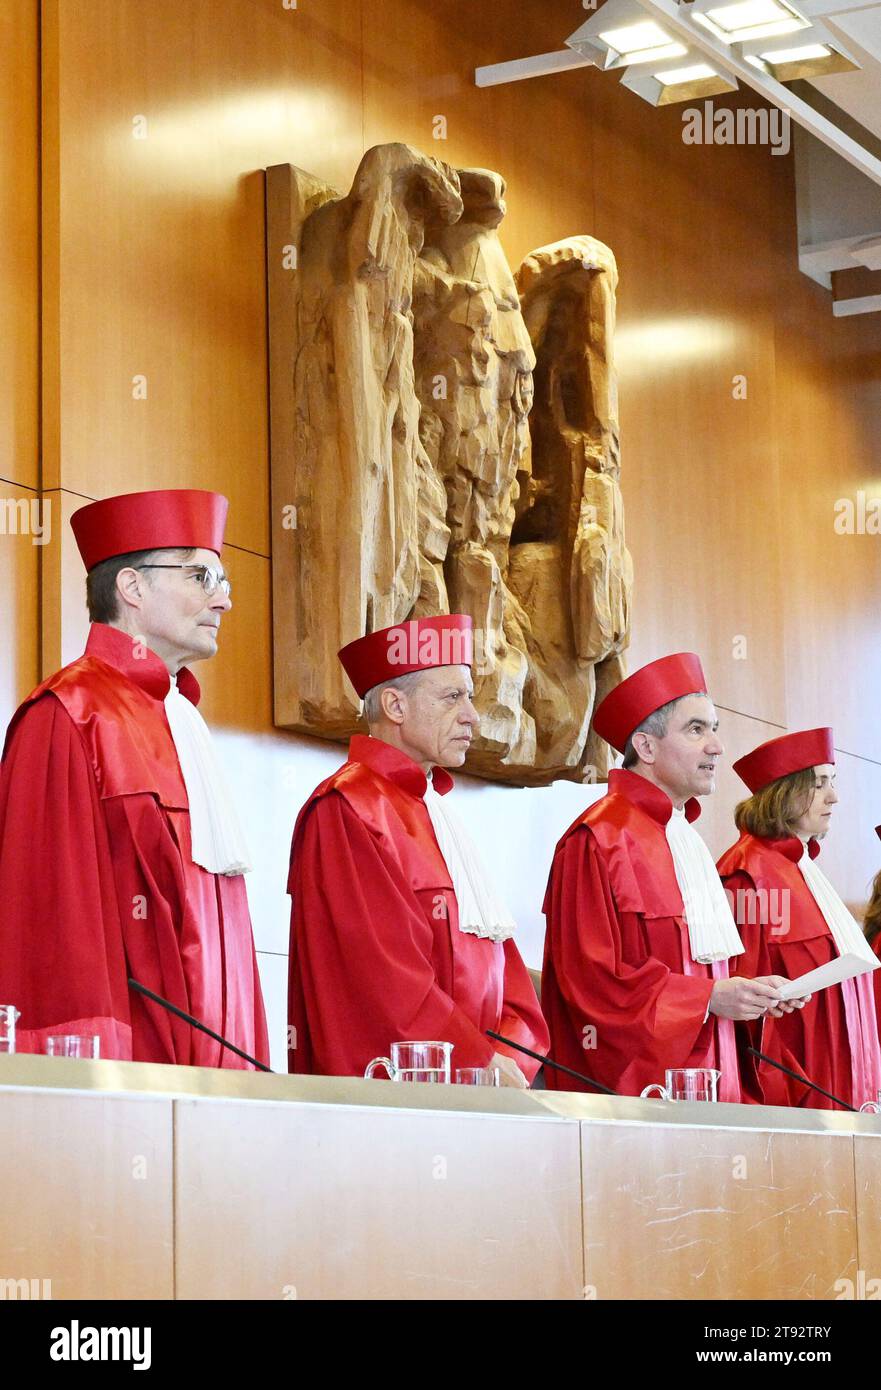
x,y
121,854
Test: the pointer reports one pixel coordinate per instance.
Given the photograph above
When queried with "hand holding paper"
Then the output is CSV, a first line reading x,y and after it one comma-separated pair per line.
x,y
845,967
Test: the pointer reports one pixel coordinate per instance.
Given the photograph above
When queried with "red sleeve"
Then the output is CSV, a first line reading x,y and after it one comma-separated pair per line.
x,y
361,952
747,907
61,957
522,1019
644,1012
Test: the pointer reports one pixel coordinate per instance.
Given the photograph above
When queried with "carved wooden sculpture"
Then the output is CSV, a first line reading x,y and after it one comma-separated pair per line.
x,y
412,472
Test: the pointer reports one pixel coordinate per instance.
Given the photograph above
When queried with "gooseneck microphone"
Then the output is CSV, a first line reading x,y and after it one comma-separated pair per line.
x,y
548,1062
803,1079
194,1023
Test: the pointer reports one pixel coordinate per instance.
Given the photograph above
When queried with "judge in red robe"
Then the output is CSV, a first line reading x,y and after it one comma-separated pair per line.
x,y
792,920
120,852
639,932
397,934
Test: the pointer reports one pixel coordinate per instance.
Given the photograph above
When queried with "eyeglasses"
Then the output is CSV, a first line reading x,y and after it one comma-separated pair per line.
x,y
210,580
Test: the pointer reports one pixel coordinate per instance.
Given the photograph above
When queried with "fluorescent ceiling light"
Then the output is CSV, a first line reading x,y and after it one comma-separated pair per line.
x,y
748,14
749,19
655,55
795,55
621,34
695,73
632,38
804,60
695,79
641,43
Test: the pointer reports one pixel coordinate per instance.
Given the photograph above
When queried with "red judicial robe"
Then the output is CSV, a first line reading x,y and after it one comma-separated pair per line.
x,y
833,1040
623,998
376,952
96,878
876,979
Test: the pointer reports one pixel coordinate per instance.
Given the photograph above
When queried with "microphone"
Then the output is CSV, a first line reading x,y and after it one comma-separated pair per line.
x,y
803,1079
558,1066
194,1023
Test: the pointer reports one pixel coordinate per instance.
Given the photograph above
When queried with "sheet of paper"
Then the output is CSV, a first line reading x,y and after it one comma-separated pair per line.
x,y
842,968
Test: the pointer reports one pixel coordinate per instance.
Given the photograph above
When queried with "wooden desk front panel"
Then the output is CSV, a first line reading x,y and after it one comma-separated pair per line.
x,y
86,1184
867,1173
343,1203
680,1213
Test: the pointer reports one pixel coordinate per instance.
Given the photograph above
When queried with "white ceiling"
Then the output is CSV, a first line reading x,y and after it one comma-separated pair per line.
x,y
859,26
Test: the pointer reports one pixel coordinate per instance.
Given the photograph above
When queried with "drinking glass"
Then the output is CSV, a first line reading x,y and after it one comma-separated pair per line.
x,y
478,1076
8,1014
73,1045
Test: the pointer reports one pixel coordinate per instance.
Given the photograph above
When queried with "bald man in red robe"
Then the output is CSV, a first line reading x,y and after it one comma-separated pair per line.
x,y
397,934
792,920
635,978
120,852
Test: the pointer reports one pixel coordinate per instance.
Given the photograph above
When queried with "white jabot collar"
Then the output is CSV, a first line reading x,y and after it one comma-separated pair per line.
x,y
481,911
846,931
218,841
712,933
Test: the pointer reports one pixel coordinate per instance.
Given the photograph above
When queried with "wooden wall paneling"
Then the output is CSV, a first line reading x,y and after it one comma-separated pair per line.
x,y
690,224
828,373
299,1201
19,243
537,134
52,252
163,270
21,514
64,624
19,596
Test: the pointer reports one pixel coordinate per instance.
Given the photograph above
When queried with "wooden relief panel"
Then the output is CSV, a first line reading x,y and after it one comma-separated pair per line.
x,y
444,438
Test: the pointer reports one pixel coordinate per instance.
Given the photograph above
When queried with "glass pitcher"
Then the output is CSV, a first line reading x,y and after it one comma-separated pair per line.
x,y
687,1083
415,1061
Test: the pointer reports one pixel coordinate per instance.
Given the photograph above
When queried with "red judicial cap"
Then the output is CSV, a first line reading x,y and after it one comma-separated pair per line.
x,y
781,756
417,645
165,520
652,686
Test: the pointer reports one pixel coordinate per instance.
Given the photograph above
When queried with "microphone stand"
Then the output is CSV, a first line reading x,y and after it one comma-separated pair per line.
x,y
803,1079
194,1023
547,1061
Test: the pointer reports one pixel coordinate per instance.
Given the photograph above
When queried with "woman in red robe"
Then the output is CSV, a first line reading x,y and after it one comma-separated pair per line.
x,y
872,929
791,921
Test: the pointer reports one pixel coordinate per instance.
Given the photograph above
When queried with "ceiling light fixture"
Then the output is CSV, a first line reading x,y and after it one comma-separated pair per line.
x,y
747,19
685,83
620,35
816,55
